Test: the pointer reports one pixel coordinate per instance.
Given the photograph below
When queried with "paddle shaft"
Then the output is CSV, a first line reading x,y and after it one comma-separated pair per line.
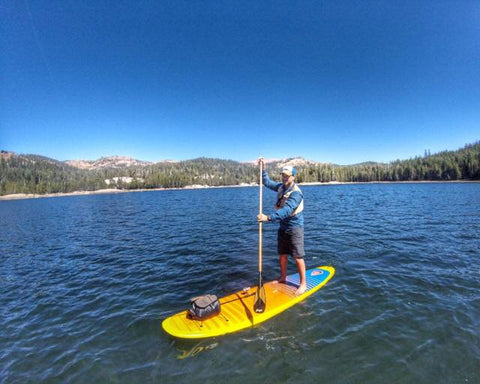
x,y
260,223
260,297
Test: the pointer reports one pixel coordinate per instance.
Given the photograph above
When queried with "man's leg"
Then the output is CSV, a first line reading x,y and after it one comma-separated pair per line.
x,y
301,271
283,269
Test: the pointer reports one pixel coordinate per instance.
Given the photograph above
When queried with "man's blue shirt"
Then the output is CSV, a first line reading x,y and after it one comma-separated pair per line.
x,y
284,214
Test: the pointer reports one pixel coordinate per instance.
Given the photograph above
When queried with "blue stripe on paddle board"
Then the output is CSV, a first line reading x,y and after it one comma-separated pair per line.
x,y
314,277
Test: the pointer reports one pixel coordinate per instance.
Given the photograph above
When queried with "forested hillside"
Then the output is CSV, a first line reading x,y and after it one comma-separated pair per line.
x,y
40,175
463,164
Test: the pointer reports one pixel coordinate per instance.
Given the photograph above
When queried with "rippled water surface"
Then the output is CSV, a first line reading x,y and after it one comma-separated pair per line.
x,y
85,282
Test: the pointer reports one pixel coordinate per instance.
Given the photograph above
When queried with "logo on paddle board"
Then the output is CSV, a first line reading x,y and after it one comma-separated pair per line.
x,y
317,272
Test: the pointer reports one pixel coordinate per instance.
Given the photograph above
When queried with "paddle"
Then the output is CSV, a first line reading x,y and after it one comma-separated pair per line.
x,y
260,297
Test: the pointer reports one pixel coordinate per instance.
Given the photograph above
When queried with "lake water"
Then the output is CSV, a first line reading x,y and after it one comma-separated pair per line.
x,y
85,282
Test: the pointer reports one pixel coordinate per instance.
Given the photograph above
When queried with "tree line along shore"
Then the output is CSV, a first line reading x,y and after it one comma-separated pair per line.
x,y
37,175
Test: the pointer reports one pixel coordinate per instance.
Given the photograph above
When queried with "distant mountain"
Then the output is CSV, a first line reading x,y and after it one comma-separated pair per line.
x,y
118,162
293,161
297,162
108,162
28,159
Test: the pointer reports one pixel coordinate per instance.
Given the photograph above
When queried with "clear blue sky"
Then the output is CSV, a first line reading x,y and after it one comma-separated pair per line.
x,y
334,81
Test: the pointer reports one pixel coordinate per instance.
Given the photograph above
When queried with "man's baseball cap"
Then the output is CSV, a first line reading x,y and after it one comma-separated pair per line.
x,y
289,170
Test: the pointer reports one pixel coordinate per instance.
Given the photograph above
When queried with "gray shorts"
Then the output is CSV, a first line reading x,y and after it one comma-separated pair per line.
x,y
290,242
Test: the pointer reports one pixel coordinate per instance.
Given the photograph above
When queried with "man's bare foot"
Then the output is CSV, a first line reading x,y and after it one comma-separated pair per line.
x,y
280,280
301,289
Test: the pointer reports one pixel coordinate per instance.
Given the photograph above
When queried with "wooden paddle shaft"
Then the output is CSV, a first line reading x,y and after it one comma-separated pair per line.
x,y
260,223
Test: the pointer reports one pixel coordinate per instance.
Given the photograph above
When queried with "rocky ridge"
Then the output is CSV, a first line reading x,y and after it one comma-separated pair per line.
x,y
108,162
125,162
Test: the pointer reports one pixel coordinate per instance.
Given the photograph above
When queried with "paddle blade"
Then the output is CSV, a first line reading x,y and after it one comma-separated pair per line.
x,y
260,297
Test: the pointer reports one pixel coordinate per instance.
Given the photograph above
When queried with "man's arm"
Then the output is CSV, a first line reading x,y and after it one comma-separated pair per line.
x,y
269,183
286,211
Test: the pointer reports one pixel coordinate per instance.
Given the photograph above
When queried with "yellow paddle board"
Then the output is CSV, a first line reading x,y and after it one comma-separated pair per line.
x,y
237,309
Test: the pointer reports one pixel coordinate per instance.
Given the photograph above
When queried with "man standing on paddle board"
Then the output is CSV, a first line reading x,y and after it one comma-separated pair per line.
x,y
289,212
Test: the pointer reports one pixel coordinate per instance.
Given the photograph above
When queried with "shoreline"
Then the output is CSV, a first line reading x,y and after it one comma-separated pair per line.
x,y
24,196
111,191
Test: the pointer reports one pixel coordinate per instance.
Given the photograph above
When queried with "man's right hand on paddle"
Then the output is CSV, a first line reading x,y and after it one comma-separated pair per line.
x,y
262,218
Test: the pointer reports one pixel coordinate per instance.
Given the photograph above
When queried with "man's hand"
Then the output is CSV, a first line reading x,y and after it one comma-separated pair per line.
x,y
262,218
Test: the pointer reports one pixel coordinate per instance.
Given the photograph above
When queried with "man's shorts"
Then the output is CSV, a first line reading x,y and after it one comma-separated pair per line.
x,y
290,242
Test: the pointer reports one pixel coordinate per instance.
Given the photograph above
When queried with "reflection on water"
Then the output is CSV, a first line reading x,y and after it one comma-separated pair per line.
x,y
195,350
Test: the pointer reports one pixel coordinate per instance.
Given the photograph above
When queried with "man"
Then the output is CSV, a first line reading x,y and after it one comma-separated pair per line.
x,y
288,211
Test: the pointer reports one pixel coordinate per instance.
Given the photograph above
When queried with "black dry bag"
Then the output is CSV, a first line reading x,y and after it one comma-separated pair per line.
x,y
202,307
